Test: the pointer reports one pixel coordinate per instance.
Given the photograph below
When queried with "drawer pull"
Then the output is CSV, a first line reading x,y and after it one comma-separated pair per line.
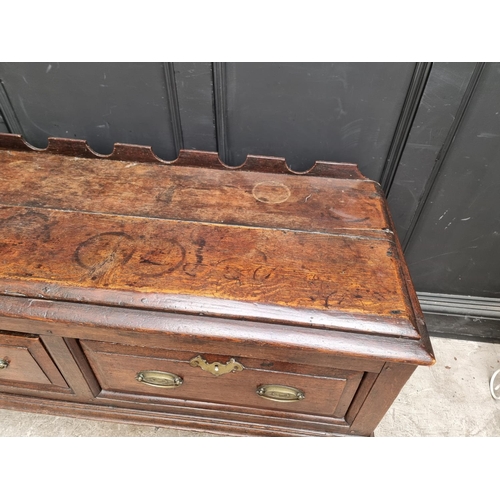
x,y
159,379
217,369
280,393
3,364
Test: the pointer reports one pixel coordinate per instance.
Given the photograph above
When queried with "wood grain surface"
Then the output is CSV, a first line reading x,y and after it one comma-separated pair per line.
x,y
278,267
280,241
189,193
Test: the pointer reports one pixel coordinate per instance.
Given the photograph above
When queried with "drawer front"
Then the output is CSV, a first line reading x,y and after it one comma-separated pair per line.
x,y
24,362
18,365
196,377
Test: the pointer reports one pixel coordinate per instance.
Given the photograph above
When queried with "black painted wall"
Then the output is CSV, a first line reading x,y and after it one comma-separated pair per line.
x,y
430,133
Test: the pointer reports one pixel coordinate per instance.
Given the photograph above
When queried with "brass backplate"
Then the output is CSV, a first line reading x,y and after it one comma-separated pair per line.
x,y
217,369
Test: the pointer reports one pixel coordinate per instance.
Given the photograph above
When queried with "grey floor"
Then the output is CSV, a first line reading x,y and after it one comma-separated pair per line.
x,y
451,398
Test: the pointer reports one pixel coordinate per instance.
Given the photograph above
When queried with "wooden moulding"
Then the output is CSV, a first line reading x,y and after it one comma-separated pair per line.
x,y
67,319
201,419
187,158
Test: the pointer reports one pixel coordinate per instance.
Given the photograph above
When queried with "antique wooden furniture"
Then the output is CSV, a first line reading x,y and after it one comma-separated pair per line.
x,y
246,300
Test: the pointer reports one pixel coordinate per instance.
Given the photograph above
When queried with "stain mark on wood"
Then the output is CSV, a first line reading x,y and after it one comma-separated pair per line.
x,y
271,192
200,242
262,273
340,215
104,248
36,224
163,260
101,254
167,195
231,273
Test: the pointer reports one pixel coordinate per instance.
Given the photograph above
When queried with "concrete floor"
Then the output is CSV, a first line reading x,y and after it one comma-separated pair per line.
x,y
451,398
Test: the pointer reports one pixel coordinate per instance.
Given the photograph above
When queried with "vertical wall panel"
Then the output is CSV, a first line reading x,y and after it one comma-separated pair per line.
x,y
3,126
101,102
8,118
195,95
456,243
442,96
315,111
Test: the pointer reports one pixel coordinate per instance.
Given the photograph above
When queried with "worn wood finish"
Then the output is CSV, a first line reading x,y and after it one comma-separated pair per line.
x,y
117,368
256,265
273,267
59,350
22,367
192,193
177,331
127,263
387,386
28,361
83,364
215,421
187,158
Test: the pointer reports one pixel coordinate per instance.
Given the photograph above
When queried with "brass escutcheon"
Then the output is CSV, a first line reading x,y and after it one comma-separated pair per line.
x,y
217,369
281,393
3,364
159,379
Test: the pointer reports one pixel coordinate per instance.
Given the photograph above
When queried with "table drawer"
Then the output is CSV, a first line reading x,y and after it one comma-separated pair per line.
x,y
25,362
194,376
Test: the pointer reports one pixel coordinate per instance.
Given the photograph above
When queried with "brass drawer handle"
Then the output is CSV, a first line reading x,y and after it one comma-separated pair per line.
x,y
3,364
281,393
159,379
217,369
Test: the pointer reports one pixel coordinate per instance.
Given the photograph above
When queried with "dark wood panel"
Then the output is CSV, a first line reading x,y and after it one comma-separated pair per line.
x,y
455,245
408,112
195,95
441,99
3,126
8,118
22,367
311,111
29,363
101,102
59,351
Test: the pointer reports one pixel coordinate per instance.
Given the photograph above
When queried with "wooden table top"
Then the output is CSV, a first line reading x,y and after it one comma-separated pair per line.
x,y
195,236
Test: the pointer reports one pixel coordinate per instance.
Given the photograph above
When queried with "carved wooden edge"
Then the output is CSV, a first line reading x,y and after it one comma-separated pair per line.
x,y
214,307
186,158
411,297
201,419
45,317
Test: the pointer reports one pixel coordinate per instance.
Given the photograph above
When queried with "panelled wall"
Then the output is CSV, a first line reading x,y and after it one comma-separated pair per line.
x,y
428,132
